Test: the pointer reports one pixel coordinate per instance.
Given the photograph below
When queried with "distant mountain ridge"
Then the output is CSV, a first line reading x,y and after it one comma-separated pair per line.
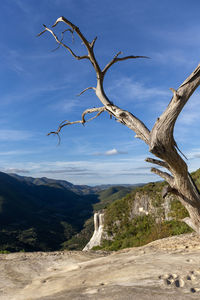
x,y
80,189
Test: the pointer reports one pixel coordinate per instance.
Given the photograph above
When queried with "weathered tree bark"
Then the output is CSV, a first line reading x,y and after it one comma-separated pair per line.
x,y
160,139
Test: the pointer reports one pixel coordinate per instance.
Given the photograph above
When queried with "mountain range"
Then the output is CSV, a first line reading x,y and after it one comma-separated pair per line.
x,y
42,214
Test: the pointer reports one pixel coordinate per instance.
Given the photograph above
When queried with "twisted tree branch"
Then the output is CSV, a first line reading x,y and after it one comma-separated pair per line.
x,y
62,44
122,116
89,88
88,45
82,121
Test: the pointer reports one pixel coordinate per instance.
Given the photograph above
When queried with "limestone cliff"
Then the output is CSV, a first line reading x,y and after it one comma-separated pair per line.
x,y
144,204
144,215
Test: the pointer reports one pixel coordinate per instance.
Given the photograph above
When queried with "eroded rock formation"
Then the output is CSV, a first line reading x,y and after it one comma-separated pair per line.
x,y
98,231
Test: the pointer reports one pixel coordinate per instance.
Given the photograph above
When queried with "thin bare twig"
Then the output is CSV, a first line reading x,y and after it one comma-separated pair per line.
x,y
116,59
89,88
82,121
62,37
88,45
70,30
93,42
62,44
39,34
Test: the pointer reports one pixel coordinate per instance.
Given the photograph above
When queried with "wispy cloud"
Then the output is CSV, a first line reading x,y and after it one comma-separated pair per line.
x,y
15,152
135,174
13,60
110,152
193,153
173,57
15,170
70,170
87,172
188,36
25,8
191,112
14,135
65,105
129,88
29,93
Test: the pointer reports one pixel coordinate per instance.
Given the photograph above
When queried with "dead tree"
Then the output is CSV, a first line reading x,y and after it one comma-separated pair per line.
x,y
160,139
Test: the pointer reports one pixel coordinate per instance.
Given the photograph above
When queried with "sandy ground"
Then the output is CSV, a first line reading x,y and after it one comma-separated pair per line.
x,y
165,269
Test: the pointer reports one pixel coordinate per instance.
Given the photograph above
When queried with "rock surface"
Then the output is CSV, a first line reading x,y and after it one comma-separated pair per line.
x,y
165,269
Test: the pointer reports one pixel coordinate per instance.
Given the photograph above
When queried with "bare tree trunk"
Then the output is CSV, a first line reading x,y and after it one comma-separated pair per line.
x,y
163,145
160,139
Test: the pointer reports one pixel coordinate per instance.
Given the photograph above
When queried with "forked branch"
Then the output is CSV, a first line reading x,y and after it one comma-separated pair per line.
x,y
89,46
62,44
82,121
116,58
122,116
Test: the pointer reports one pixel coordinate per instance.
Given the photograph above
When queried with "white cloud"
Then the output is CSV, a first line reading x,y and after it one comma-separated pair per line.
x,y
114,152
110,152
98,171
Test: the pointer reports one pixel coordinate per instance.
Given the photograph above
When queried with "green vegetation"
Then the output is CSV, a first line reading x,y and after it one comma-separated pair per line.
x,y
4,252
178,211
40,216
111,194
45,215
127,228
105,197
141,231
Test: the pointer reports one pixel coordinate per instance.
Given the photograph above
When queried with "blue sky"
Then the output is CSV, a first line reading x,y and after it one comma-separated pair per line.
x,y
39,87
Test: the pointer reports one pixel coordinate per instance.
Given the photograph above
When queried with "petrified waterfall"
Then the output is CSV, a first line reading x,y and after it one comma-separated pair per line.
x,y
98,231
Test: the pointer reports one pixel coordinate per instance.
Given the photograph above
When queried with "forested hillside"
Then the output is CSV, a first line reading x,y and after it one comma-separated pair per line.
x,y
144,216
43,214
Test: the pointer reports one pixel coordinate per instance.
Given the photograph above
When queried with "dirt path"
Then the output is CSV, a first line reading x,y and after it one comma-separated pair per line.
x,y
164,269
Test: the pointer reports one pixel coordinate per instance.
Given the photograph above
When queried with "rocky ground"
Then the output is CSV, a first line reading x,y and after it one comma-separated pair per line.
x,y
165,269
